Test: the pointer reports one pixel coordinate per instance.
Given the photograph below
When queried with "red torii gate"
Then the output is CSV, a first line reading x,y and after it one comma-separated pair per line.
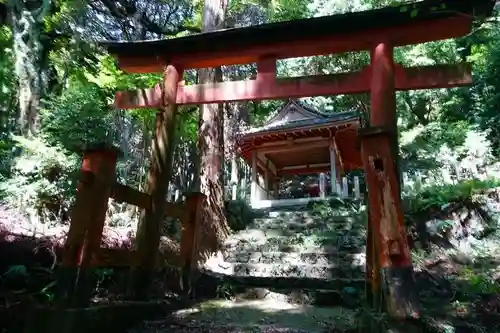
x,y
378,31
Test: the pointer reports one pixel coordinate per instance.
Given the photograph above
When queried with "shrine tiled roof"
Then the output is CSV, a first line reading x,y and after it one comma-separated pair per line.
x,y
342,116
314,119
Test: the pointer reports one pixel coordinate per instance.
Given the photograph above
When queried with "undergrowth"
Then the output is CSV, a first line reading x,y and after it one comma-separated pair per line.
x,y
435,197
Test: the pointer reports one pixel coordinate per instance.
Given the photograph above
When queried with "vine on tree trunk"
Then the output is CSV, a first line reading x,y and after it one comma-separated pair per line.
x,y
27,25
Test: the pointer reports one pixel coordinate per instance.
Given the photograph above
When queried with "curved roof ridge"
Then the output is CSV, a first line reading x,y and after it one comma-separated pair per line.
x,y
298,123
308,107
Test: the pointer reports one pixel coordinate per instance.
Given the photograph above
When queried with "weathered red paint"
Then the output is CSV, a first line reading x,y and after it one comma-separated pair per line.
x,y
382,86
267,87
386,213
411,33
379,152
88,214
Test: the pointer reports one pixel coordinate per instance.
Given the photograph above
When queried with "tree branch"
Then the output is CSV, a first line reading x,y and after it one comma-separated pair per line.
x,y
129,9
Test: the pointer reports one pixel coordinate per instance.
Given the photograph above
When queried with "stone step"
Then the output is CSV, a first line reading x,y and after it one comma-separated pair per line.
x,y
259,242
288,270
304,214
292,248
262,236
294,258
289,283
301,224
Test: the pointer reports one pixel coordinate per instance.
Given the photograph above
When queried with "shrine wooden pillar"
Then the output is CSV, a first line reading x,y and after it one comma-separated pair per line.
x,y
322,185
334,182
159,174
97,176
390,268
234,178
276,187
267,179
253,185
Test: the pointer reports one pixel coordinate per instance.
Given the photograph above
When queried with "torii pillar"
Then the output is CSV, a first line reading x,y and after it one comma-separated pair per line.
x,y
389,265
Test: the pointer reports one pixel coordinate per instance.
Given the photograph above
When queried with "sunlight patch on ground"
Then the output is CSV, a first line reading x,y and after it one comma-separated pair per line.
x,y
264,305
279,314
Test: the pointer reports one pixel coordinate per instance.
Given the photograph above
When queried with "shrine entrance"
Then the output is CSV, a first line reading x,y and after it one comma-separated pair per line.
x,y
300,140
389,265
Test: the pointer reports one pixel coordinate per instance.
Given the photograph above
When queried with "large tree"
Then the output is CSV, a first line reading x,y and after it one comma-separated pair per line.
x,y
214,227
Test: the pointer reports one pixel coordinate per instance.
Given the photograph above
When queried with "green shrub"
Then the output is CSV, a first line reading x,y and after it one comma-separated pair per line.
x,y
78,118
43,180
239,214
434,197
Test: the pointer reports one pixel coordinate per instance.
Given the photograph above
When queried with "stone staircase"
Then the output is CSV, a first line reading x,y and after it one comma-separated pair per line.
x,y
308,247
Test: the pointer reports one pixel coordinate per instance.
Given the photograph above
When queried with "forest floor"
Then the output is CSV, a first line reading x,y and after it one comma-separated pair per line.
x,y
459,287
459,293
453,298
249,316
252,316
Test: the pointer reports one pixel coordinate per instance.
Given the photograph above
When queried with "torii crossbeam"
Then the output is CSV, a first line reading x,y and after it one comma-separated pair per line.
x,y
267,86
378,31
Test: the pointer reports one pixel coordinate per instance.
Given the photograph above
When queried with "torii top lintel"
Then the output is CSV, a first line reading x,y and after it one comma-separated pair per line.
x,y
435,20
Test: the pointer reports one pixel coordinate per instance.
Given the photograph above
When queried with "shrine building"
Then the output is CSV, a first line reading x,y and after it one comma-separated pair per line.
x,y
299,140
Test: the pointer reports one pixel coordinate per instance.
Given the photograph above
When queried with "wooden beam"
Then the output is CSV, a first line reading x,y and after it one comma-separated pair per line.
x,y
260,162
379,151
339,156
155,57
279,143
266,69
294,147
304,169
87,223
411,78
123,193
106,257
305,166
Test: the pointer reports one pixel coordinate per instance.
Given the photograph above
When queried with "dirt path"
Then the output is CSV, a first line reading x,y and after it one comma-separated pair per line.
x,y
252,316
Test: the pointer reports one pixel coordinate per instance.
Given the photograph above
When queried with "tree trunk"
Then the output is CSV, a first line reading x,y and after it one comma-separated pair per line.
x,y
27,25
159,175
213,228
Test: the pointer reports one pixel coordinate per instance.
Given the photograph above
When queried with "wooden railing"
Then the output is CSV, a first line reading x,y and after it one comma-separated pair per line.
x,y
262,194
342,189
346,190
82,249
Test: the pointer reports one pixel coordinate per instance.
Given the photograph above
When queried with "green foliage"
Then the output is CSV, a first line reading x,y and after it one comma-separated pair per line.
x,y
7,88
78,117
434,197
239,214
485,55
28,275
16,271
479,283
42,182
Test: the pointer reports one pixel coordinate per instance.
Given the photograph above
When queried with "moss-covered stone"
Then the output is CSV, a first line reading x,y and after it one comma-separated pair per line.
x,y
239,214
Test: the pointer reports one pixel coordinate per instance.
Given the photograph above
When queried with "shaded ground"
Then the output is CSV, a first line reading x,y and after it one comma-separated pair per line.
x,y
458,285
251,316
459,290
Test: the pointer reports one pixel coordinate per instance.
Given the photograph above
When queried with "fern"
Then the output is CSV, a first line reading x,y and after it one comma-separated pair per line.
x,y
435,197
